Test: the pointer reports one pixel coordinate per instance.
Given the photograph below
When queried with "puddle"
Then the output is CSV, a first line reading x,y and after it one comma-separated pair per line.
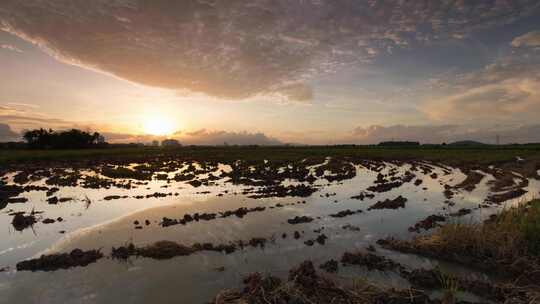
x,y
91,222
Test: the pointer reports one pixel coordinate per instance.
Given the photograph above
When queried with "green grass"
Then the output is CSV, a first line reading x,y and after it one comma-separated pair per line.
x,y
448,154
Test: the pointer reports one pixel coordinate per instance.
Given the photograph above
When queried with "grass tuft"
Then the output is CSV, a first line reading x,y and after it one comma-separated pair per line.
x,y
511,234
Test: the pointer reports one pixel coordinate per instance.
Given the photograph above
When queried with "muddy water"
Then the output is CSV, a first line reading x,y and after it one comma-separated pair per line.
x,y
196,278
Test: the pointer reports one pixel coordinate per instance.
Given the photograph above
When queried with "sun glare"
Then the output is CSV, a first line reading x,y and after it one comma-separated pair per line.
x,y
158,126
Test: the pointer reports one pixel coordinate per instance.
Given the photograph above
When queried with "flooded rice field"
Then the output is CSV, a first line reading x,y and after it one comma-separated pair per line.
x,y
171,230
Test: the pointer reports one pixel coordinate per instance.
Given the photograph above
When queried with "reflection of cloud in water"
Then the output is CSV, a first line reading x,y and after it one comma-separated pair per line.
x,y
111,223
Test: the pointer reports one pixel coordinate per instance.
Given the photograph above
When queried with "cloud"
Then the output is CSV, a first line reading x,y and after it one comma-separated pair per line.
x,y
530,39
6,134
10,47
504,100
113,137
241,49
507,90
446,133
24,116
28,120
198,137
205,137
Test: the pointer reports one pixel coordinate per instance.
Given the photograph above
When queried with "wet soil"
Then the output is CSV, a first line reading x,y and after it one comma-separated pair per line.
x,y
428,223
398,202
300,220
21,221
305,285
261,181
54,262
164,250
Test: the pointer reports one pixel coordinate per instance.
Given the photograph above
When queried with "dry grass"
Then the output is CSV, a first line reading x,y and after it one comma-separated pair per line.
x,y
449,284
514,233
508,244
305,286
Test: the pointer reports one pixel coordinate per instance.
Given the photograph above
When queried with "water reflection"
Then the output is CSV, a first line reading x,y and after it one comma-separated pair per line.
x,y
90,222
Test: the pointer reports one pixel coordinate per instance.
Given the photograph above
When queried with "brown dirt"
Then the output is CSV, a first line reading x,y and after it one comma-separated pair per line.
x,y
306,286
53,262
428,223
300,220
21,221
398,202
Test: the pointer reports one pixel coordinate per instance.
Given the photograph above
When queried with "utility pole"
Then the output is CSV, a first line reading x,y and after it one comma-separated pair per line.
x,y
498,139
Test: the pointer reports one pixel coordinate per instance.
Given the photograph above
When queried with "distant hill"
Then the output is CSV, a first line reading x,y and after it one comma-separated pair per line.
x,y
467,143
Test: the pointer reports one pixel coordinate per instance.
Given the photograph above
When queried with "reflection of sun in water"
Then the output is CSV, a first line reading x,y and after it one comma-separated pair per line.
x,y
158,126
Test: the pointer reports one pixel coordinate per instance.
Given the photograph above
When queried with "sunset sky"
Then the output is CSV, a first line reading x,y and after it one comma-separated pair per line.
x,y
272,71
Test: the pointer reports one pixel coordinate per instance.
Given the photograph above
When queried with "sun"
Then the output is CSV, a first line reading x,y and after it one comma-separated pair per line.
x,y
159,125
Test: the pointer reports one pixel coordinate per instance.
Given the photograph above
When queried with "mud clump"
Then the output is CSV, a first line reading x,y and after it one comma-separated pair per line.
x,y
428,223
351,227
227,248
257,242
113,197
52,191
123,252
126,173
309,243
17,200
64,179
331,266
345,213
195,183
163,250
53,262
48,221
300,220
398,202
21,221
283,191
321,240
385,187
505,196
369,260
363,195
304,275
448,193
7,192
423,278
52,200
240,213
305,286
461,212
469,184
166,222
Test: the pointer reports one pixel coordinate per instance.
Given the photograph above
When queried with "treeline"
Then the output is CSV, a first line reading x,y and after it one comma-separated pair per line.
x,y
399,144
70,139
